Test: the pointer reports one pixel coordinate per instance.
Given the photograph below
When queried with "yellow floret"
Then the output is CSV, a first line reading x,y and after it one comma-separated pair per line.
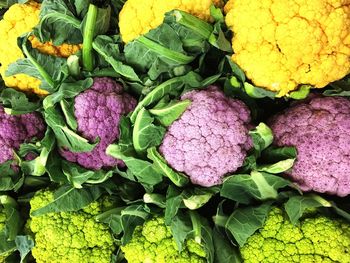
x,y
20,19
138,17
282,44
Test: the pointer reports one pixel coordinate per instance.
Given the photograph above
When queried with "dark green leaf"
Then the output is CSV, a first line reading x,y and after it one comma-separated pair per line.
x,y
173,203
258,93
243,222
16,102
24,244
225,251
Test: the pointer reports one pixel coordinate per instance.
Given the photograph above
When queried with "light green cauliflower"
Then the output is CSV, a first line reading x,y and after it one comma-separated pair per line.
x,y
154,243
73,237
315,238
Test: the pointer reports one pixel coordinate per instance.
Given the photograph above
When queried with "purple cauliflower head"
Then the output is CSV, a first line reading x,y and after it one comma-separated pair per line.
x,y
18,129
98,111
320,130
210,139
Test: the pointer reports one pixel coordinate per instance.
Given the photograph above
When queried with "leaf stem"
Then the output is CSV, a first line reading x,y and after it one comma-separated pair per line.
x,y
41,70
89,32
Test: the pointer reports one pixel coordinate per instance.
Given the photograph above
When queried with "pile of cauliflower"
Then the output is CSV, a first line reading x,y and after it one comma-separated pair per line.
x,y
202,135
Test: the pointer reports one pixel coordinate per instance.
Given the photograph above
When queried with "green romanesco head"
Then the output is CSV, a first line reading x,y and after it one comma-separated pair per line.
x,y
154,243
72,237
315,238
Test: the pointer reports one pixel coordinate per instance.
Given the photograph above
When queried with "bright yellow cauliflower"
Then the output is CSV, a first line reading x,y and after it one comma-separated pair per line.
x,y
281,44
20,19
138,17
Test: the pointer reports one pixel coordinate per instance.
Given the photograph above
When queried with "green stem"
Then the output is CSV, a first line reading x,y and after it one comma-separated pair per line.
x,y
89,32
196,225
41,70
199,26
165,52
220,220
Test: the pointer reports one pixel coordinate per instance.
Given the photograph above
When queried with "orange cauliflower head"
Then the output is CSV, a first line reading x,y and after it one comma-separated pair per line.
x,y
140,16
20,19
282,44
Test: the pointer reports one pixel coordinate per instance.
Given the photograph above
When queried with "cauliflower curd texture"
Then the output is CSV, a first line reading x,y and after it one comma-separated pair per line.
x,y
154,243
314,239
18,20
281,44
138,17
70,237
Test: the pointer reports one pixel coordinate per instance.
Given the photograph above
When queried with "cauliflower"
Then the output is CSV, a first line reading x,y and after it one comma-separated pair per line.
x,y
315,239
319,129
98,111
291,42
210,139
20,19
138,17
73,237
153,242
18,129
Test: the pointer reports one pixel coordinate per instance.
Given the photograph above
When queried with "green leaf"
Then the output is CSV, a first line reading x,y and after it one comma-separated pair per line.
x,y
141,169
225,251
273,154
262,137
181,227
243,222
173,203
108,48
159,164
66,138
296,206
301,93
276,168
24,244
153,198
156,94
236,70
198,197
67,198
16,102
145,133
167,114
244,188
67,90
56,15
67,107
258,93
78,175
9,179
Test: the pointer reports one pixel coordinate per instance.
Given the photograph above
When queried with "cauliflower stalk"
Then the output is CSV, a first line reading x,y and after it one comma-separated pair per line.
x,y
138,17
210,139
319,128
291,42
20,19
153,242
70,236
98,111
315,238
18,129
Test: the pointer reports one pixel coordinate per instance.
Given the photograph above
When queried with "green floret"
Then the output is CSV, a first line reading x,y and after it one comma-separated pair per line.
x,y
315,238
72,237
154,243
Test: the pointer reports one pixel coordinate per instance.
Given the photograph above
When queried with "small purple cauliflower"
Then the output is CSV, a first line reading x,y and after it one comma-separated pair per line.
x,y
18,129
210,139
98,111
320,130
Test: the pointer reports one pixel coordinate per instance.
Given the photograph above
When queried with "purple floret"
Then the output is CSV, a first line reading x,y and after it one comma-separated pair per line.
x,y
320,131
18,129
210,139
98,111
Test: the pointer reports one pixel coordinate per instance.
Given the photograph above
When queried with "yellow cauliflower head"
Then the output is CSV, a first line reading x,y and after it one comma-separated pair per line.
x,y
20,19
138,17
281,44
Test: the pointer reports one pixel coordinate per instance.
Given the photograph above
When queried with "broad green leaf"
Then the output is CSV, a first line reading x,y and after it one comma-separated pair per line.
x,y
258,93
262,137
153,198
159,163
24,245
301,93
275,154
16,102
67,198
168,114
66,138
246,188
145,133
225,251
243,222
